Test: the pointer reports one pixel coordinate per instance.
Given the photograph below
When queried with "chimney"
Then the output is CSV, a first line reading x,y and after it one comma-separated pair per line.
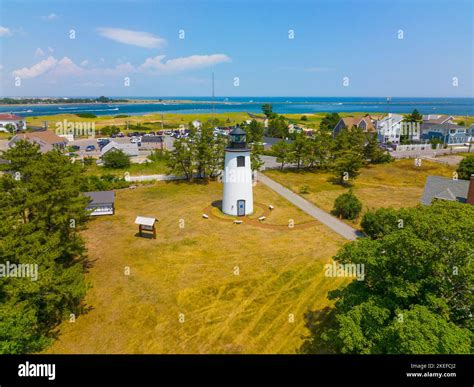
x,y
470,191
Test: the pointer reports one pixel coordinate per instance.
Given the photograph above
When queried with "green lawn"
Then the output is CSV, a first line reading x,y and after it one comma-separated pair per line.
x,y
150,168
191,271
398,184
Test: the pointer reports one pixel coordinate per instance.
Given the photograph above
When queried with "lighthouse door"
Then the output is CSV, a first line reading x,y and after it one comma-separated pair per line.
x,y
240,207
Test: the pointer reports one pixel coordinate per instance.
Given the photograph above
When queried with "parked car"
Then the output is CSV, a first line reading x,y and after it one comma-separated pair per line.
x,y
100,139
120,134
74,148
90,148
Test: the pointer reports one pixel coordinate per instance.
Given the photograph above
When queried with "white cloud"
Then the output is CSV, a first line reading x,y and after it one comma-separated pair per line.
x,y
1,67
39,52
67,67
50,17
50,49
184,63
134,38
4,31
85,62
51,65
39,68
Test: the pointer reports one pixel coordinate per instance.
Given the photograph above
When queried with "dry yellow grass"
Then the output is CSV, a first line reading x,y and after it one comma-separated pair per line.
x,y
191,271
398,184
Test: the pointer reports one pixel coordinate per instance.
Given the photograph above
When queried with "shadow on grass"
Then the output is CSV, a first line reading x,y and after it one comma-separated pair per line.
x,y
144,235
316,322
217,204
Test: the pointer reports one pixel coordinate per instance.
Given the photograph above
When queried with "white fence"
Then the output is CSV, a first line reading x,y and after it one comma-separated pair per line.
x,y
127,177
416,147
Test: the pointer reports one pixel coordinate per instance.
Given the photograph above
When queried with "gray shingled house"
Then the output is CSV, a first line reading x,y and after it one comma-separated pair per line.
x,y
101,203
443,188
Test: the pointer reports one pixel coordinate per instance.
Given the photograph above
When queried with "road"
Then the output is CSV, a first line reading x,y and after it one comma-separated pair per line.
x,y
330,221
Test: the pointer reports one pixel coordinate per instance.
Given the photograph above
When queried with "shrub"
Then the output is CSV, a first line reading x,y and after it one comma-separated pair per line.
x,y
347,206
304,118
86,115
304,189
466,167
116,159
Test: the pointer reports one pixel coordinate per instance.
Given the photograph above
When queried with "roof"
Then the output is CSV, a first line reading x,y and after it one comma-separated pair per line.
x,y
237,131
437,187
436,118
10,117
144,221
101,197
128,148
45,136
349,122
152,139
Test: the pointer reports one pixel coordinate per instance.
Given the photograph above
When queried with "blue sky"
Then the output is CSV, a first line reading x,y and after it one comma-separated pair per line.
x,y
139,40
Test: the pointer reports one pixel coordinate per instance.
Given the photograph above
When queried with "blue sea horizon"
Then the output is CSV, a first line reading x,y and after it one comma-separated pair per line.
x,y
281,105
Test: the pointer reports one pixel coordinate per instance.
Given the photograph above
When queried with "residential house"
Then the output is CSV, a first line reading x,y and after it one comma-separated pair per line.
x,y
130,149
19,123
101,202
443,188
437,119
364,123
46,140
448,133
153,143
388,128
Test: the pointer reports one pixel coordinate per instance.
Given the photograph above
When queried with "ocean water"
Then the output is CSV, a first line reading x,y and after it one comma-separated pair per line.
x,y
281,105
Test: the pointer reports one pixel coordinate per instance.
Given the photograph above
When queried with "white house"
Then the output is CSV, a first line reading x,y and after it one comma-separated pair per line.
x,y
388,128
130,149
237,178
197,124
11,119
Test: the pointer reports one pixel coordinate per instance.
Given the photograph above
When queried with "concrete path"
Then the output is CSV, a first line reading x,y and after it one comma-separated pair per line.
x,y
333,223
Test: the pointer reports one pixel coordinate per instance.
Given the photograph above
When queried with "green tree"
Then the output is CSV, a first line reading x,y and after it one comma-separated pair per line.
x,y
116,159
267,109
328,122
466,167
416,295
255,132
299,150
278,127
42,213
373,153
281,150
347,206
181,160
347,166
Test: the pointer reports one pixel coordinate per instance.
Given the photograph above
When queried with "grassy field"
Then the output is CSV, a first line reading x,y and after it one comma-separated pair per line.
x,y
192,271
398,184
170,120
150,168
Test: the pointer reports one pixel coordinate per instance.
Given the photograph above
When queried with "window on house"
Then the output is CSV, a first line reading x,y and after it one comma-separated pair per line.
x,y
241,161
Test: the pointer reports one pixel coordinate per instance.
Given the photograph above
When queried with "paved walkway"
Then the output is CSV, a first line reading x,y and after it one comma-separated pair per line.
x,y
333,223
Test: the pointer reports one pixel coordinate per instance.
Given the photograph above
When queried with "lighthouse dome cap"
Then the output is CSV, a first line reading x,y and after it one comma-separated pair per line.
x,y
237,131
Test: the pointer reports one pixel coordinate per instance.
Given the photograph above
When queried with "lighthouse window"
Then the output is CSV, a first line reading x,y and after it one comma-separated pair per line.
x,y
241,161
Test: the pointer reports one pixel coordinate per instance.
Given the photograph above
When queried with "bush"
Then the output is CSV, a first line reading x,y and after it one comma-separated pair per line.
x,y
116,159
86,115
304,189
88,160
347,206
121,116
304,118
466,167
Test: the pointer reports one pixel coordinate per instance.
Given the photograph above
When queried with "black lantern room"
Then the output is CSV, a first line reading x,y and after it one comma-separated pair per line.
x,y
237,139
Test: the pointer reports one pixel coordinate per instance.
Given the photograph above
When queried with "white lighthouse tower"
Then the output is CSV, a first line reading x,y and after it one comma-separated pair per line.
x,y
237,178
